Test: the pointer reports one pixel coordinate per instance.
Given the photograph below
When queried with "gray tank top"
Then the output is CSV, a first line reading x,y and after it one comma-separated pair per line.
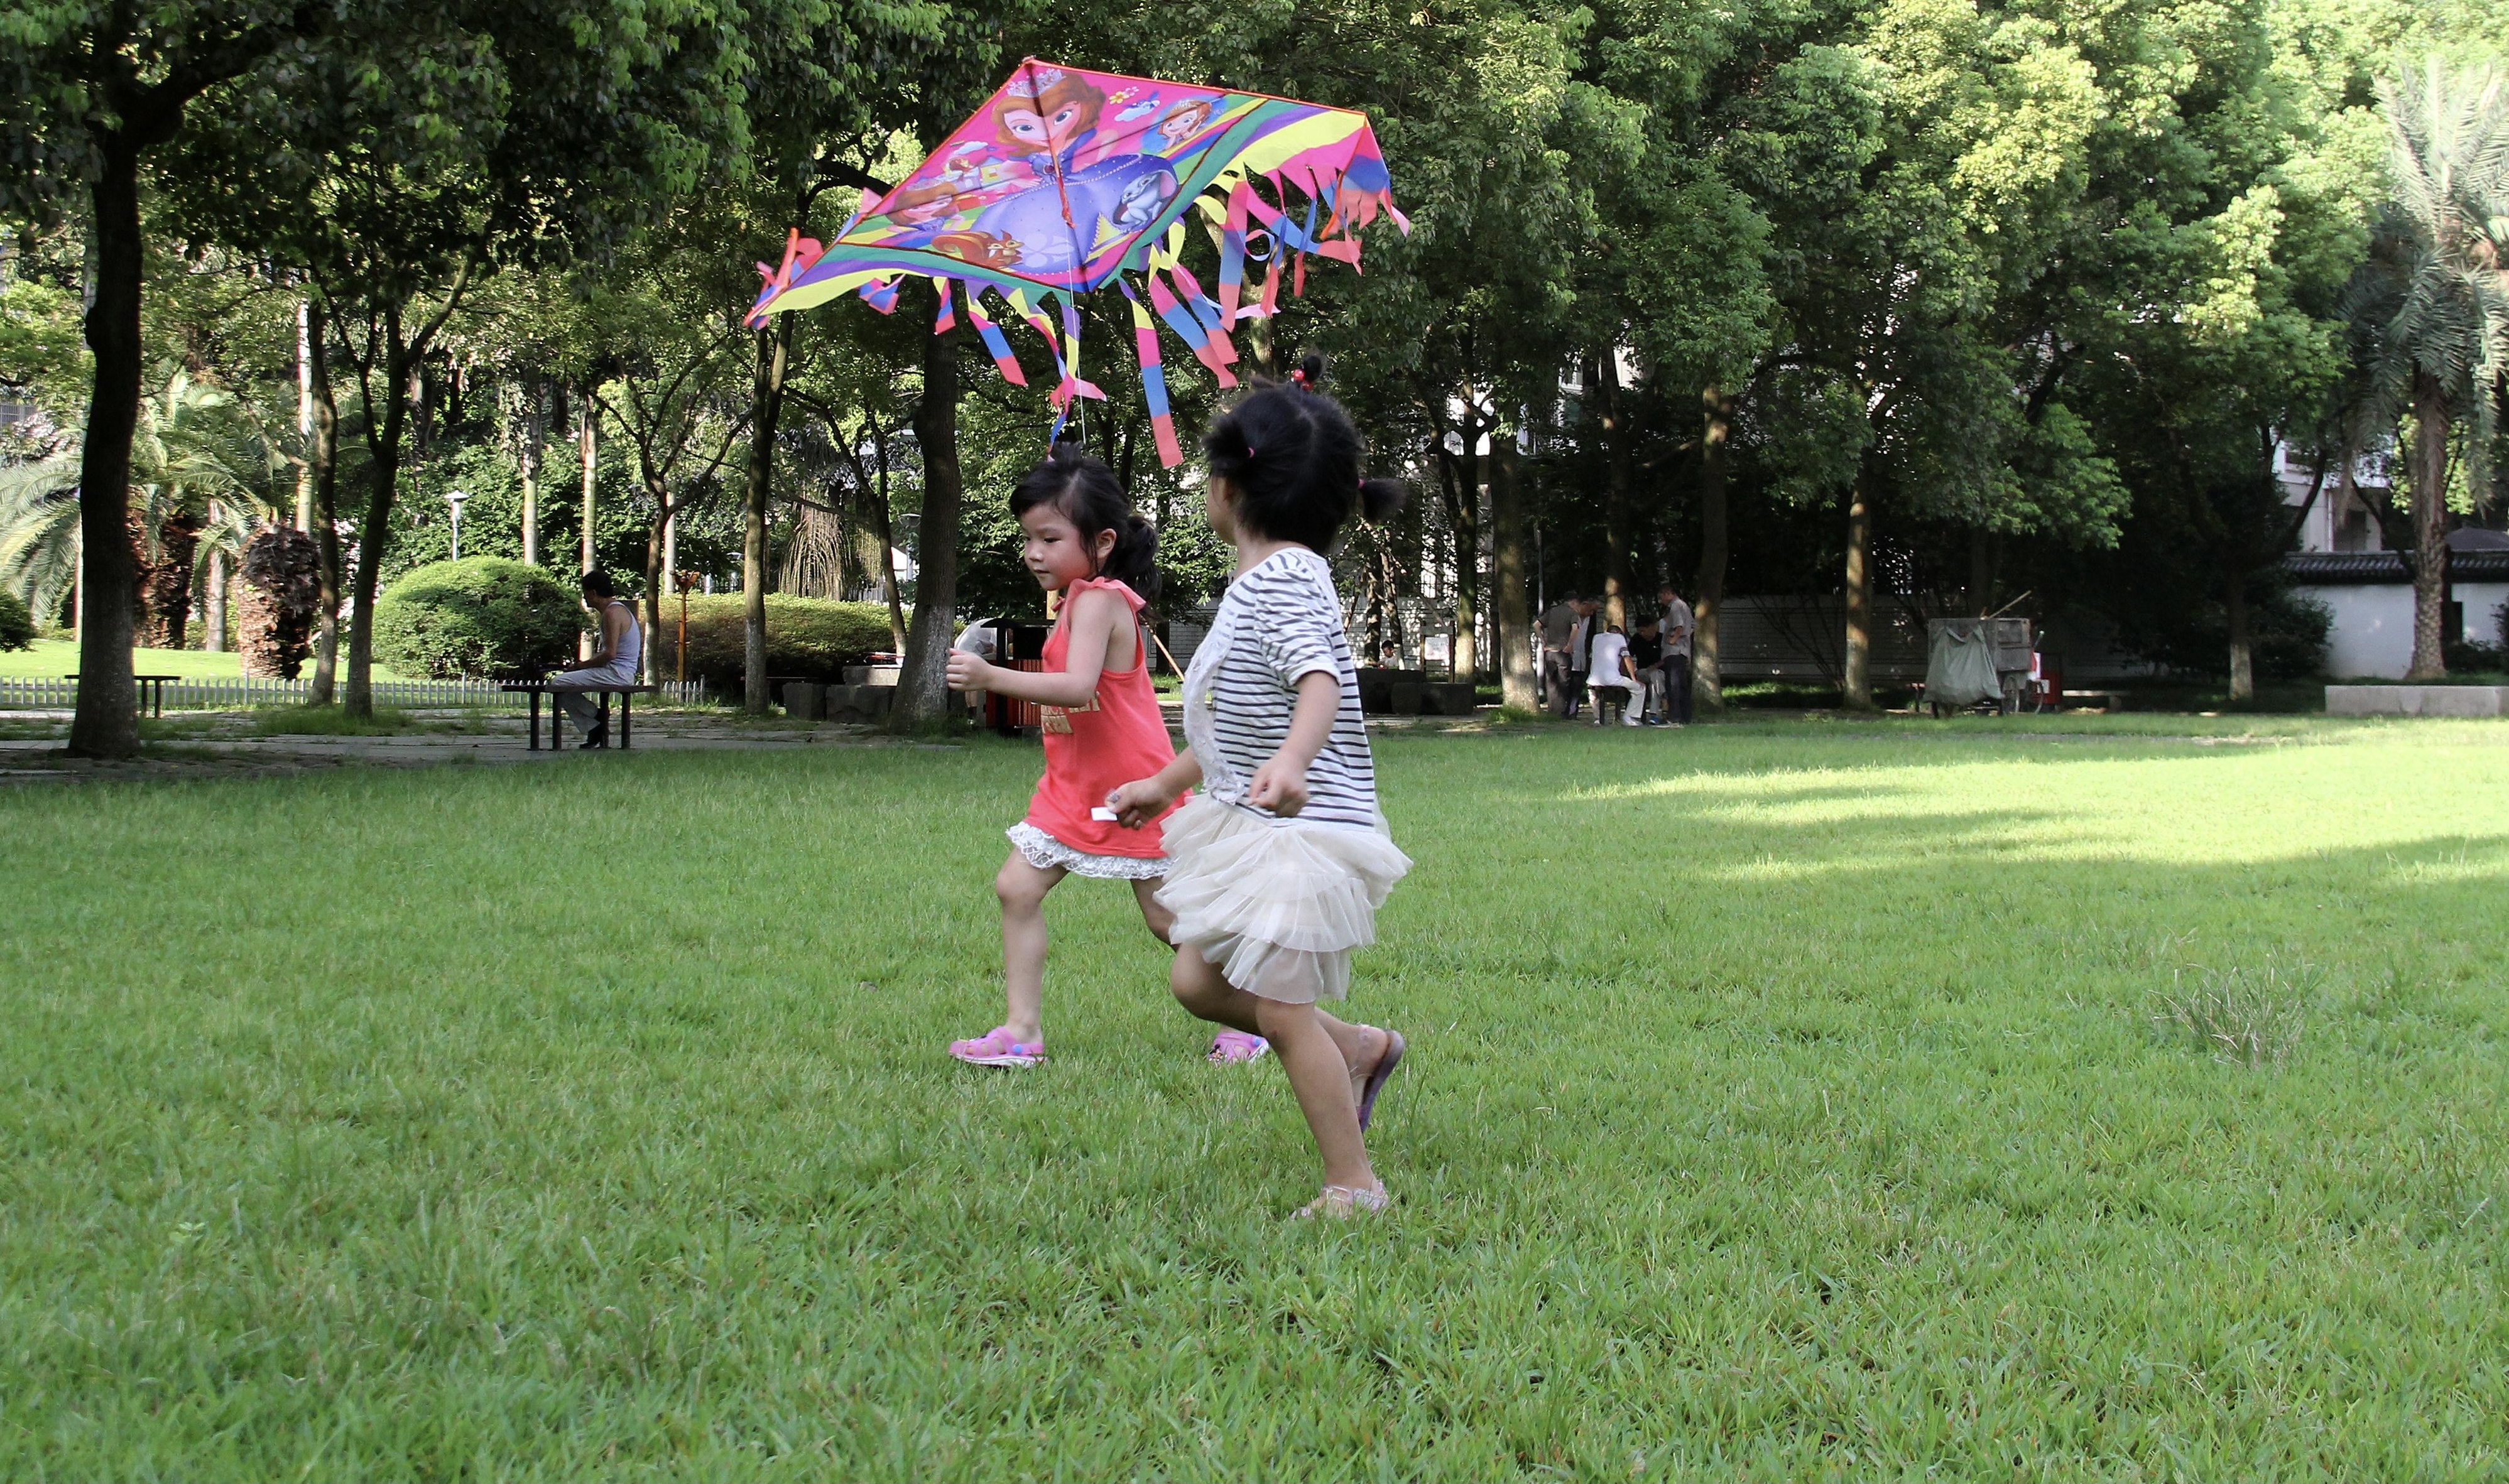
x,y
631,644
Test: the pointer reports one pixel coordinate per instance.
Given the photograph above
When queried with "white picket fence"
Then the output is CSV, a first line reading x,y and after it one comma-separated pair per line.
x,y
226,695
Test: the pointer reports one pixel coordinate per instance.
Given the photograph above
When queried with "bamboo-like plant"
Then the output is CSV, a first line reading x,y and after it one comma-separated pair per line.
x,y
2430,306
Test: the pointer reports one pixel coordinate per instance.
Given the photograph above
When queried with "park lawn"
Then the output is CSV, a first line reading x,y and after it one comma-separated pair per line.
x,y
53,658
1784,1100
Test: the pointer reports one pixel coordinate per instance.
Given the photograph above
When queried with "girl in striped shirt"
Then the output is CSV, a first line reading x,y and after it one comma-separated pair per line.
x,y
1277,868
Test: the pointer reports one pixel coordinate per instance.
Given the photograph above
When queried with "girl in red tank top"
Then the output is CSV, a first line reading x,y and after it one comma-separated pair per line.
x,y
1100,722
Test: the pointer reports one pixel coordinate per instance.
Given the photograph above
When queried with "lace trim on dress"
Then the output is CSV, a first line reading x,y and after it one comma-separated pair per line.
x,y
1044,852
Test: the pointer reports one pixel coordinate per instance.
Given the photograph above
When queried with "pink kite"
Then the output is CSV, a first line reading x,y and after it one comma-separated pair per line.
x,y
1065,179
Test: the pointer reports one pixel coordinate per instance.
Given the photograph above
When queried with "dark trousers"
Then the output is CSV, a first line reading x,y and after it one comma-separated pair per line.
x,y
1677,688
1560,686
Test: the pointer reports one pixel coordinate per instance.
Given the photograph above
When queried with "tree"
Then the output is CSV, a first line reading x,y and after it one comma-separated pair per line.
x,y
450,142
88,93
2430,307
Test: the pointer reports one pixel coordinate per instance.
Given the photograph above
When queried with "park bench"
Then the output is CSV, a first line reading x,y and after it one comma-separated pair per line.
x,y
148,693
557,713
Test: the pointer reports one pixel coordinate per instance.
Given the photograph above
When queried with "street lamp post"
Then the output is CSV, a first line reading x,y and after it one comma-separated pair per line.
x,y
454,500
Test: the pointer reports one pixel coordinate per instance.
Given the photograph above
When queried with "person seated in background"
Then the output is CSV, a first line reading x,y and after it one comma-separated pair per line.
x,y
614,661
1646,653
1608,668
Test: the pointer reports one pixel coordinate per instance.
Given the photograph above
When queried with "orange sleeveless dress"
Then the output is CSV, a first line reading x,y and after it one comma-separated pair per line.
x,y
1091,750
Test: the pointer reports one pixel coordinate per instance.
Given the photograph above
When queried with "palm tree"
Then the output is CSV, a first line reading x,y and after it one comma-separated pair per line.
x,y
2430,307
39,520
191,451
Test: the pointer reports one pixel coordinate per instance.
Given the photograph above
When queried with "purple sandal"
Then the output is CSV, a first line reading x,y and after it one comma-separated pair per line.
x,y
1230,1047
1375,1083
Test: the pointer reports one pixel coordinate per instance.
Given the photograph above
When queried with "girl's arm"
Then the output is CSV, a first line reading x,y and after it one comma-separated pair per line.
x,y
1143,800
1279,785
1092,618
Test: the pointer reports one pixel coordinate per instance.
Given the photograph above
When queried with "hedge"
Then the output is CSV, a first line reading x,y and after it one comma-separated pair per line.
x,y
483,618
807,638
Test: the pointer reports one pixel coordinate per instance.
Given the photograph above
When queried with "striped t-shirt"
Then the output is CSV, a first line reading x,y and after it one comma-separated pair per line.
x,y
1279,621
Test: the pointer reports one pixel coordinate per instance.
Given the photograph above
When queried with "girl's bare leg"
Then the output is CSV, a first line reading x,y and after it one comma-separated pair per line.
x,y
1199,986
1158,919
1022,888
1318,1075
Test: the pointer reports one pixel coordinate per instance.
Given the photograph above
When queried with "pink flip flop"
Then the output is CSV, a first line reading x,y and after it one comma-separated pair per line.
x,y
1230,1047
1375,1083
996,1048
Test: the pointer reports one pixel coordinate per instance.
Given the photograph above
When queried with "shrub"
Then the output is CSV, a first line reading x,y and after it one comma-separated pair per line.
x,y
16,624
807,638
481,616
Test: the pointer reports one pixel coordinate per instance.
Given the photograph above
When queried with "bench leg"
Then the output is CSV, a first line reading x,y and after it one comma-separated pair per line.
x,y
604,723
535,721
626,721
557,726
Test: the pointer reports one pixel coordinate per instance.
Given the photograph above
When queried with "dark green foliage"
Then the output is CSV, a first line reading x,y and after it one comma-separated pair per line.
x,y
807,638
482,616
2288,630
16,624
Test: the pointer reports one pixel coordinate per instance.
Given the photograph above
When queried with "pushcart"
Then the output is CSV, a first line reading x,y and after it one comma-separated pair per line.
x,y
1973,662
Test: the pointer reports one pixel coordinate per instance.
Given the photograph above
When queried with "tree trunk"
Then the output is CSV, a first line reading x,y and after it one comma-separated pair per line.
x,y
304,415
588,437
1464,663
107,723
214,602
322,455
1857,693
767,398
1511,597
1706,682
2430,526
923,681
889,548
2234,599
534,443
376,534
1618,598
1981,571
165,587
657,536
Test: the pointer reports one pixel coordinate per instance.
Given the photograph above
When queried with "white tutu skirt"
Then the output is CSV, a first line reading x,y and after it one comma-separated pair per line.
x,y
1278,905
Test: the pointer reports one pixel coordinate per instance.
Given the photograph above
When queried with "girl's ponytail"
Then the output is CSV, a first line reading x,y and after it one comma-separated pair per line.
x,y
1134,561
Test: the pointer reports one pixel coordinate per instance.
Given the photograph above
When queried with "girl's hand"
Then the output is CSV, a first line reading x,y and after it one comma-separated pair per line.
x,y
1279,785
1140,801
968,672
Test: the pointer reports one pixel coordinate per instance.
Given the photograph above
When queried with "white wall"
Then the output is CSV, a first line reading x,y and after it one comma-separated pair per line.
x,y
2374,625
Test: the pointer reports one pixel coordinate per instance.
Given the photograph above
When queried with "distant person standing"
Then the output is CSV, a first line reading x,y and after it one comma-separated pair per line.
x,y
612,663
1675,623
1581,648
1646,652
1558,638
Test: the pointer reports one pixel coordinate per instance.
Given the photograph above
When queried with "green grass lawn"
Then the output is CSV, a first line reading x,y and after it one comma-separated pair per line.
x,y
1785,1099
53,658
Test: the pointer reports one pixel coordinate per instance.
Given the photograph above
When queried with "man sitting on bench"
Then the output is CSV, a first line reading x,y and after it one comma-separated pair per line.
x,y
614,663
